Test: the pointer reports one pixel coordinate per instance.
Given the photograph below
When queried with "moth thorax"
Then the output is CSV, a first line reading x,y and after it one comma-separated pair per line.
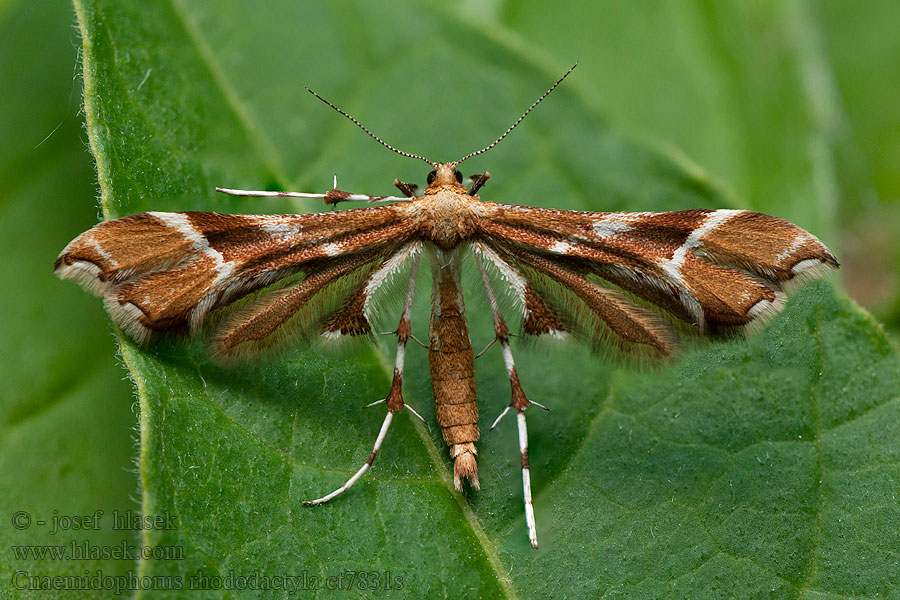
x,y
448,216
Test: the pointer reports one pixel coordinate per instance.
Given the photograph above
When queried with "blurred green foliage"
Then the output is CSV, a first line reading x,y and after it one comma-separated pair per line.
x,y
66,426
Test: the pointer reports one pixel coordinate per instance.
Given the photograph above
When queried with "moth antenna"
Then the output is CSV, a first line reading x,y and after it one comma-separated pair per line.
x,y
371,135
513,126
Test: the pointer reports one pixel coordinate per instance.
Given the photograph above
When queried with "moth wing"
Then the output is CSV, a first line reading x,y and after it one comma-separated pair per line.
x,y
164,272
555,300
333,299
720,268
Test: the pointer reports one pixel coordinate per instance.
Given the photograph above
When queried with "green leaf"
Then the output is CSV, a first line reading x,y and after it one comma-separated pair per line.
x,y
865,57
749,468
66,440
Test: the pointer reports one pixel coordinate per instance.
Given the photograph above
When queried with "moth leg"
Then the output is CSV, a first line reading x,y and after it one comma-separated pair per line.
x,y
349,483
518,403
408,189
478,181
333,196
486,348
394,398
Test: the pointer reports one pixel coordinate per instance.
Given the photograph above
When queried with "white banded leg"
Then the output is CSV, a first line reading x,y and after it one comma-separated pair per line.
x,y
394,398
330,197
526,479
381,435
518,403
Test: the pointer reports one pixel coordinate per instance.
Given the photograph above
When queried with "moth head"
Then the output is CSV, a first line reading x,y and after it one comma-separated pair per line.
x,y
444,174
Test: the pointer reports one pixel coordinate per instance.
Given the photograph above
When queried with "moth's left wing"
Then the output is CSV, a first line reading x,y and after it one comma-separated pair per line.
x,y
557,300
716,268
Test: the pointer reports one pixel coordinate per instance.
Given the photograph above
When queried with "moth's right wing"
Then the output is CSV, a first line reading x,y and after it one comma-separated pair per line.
x,y
710,268
166,272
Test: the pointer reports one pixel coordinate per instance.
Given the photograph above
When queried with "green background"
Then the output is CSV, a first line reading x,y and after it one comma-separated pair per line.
x,y
758,468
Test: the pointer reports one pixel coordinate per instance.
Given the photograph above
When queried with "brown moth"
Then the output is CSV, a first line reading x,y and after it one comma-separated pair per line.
x,y
317,276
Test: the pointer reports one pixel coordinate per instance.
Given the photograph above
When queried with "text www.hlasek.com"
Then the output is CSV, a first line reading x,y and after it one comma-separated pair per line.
x,y
118,584
84,550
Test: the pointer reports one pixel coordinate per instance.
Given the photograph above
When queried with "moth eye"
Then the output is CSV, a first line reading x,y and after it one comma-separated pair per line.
x,y
458,176
431,177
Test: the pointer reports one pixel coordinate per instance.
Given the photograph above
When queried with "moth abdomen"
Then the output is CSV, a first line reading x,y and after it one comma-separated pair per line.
x,y
452,363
